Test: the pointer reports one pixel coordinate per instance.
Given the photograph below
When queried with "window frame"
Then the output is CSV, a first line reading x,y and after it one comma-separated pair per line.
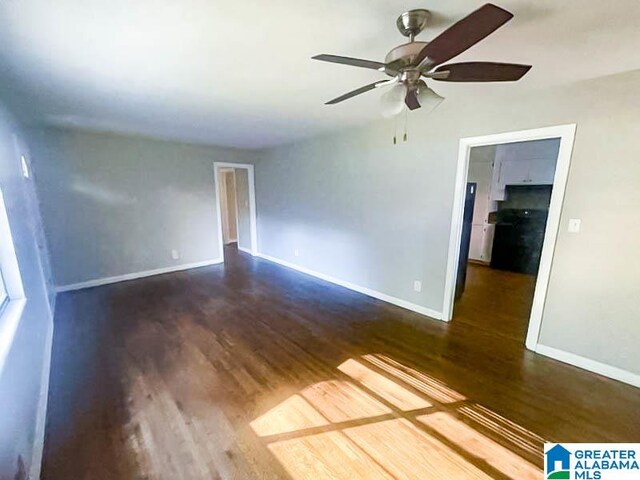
x,y
14,302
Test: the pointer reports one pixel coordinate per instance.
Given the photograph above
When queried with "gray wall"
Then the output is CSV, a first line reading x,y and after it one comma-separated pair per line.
x,y
242,199
114,205
364,210
22,371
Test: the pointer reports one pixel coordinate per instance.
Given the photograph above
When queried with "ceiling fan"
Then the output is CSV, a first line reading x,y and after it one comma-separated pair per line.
x,y
409,64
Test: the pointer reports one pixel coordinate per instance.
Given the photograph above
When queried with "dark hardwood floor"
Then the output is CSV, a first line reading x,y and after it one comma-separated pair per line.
x,y
497,301
250,370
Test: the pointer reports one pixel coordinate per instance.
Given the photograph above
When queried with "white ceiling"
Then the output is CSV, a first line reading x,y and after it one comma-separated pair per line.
x,y
238,72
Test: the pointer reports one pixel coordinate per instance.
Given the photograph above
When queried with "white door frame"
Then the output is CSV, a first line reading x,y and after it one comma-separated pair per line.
x,y
252,204
566,133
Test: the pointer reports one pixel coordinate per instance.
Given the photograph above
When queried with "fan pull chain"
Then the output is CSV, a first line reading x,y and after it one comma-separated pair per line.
x,y
406,121
395,130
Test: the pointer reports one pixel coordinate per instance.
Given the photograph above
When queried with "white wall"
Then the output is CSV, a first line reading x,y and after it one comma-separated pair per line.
x,y
22,392
116,205
363,210
481,172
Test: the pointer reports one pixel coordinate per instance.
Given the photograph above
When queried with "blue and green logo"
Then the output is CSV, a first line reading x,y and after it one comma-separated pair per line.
x,y
558,463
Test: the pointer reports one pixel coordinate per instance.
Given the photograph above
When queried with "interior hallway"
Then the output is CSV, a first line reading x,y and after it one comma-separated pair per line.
x,y
251,370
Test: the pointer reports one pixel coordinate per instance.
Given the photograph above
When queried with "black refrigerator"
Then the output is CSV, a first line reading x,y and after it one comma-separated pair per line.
x,y
520,223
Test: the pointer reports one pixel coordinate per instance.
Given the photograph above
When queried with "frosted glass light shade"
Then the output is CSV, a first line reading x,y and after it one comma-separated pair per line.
x,y
392,101
428,98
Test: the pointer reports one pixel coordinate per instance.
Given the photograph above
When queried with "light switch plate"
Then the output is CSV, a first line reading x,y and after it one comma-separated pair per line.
x,y
574,225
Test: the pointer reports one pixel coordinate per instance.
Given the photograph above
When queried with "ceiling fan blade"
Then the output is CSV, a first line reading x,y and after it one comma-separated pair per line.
x,y
355,62
463,35
355,92
481,72
411,100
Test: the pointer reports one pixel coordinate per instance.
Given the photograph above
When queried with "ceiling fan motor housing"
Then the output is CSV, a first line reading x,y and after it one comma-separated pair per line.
x,y
402,56
410,24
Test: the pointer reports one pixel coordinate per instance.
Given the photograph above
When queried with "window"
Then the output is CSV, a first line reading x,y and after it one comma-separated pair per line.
x,y
4,297
12,299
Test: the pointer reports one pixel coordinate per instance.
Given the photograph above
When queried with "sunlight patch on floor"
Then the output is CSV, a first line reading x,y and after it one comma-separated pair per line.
x,y
410,453
329,455
381,419
505,428
391,391
294,414
424,383
482,447
341,401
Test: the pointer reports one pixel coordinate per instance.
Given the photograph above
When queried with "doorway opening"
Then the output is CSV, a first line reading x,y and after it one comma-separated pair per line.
x,y
236,208
228,205
509,193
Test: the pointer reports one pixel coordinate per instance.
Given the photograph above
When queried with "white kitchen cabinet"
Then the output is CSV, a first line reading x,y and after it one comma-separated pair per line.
x,y
513,172
481,242
535,171
542,171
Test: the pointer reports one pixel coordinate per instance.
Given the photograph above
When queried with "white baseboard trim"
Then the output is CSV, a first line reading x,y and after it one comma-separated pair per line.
x,y
591,365
38,446
357,288
245,250
133,276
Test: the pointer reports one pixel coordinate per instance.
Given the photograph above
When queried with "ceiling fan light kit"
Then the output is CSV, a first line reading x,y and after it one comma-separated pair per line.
x,y
410,64
392,101
427,98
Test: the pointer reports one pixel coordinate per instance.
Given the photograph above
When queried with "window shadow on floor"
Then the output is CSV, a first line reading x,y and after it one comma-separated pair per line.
x,y
381,419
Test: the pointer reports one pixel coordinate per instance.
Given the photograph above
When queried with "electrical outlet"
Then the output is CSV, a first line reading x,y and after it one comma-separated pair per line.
x,y
175,254
417,285
574,225
296,253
